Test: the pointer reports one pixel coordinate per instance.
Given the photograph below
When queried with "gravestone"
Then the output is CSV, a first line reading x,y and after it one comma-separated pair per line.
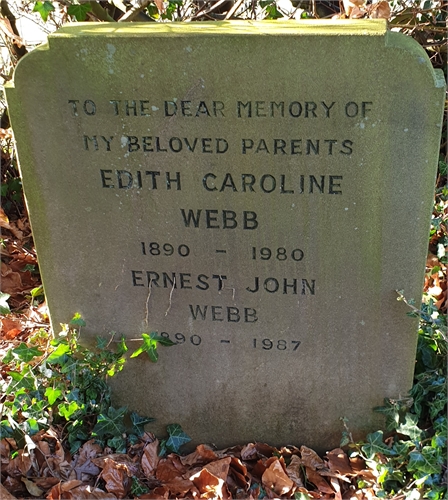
x,y
255,191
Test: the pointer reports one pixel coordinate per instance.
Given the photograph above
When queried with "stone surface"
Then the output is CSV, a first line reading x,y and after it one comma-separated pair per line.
x,y
258,191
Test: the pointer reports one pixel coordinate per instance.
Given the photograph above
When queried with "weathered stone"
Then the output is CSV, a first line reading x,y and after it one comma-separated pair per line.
x,y
258,191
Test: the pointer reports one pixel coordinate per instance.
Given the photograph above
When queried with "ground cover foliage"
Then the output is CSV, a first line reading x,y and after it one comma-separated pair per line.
x,y
60,435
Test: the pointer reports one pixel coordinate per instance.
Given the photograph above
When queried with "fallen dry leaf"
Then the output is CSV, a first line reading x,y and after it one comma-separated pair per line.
x,y
360,468
20,465
435,291
87,492
14,485
4,221
5,26
211,479
88,450
349,5
238,471
249,452
32,488
45,451
294,471
252,451
150,458
318,481
116,457
258,469
166,471
117,476
46,482
202,455
160,6
337,488
57,492
7,324
5,450
310,458
38,314
181,486
175,459
5,133
11,281
12,334
380,10
275,479
220,468
432,261
338,462
5,494
357,13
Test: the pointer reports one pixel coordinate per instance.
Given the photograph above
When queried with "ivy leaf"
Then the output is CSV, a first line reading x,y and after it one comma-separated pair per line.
x,y
133,439
8,358
101,342
22,381
67,410
149,346
388,473
162,340
122,347
79,11
77,435
177,437
31,427
25,353
438,441
37,292
116,367
410,428
110,422
44,8
73,395
438,404
138,488
35,410
118,443
394,411
75,445
402,447
163,450
138,423
4,306
77,318
52,394
440,425
426,461
345,439
6,431
59,355
375,445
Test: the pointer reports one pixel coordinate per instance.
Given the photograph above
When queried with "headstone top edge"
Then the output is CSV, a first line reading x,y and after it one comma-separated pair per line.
x,y
36,52
406,43
329,27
